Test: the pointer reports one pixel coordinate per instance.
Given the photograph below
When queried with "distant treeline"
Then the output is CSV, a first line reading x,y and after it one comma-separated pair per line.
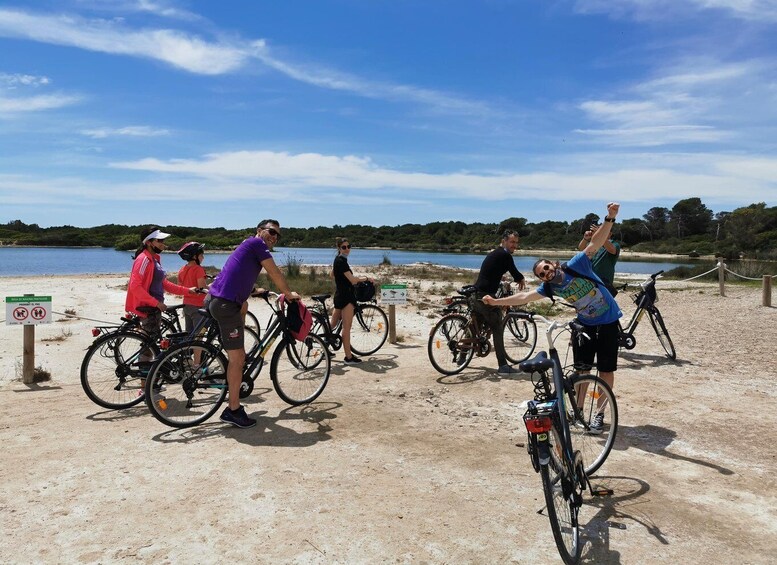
x,y
689,227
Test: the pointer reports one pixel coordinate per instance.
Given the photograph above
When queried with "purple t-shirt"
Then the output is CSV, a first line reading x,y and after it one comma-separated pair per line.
x,y
238,277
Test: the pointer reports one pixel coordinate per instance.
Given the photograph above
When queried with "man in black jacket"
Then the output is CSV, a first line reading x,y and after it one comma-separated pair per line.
x,y
496,264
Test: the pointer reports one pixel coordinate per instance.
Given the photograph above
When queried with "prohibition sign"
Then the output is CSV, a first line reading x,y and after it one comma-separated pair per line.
x,y
20,313
38,313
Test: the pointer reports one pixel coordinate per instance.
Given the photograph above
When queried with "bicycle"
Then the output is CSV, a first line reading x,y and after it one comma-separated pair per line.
x,y
587,395
182,393
119,358
550,419
368,332
646,300
460,334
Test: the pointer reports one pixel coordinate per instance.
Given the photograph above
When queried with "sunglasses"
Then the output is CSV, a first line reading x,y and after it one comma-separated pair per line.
x,y
545,271
274,233
347,246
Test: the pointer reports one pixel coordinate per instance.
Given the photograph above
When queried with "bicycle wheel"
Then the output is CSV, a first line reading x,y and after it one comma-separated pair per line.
x,y
562,500
450,344
114,366
369,329
594,399
252,322
663,335
300,369
187,384
520,337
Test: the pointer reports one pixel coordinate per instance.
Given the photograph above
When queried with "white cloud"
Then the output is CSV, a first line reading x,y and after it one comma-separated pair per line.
x,y
312,175
696,100
130,131
336,80
172,47
195,55
755,10
17,105
14,80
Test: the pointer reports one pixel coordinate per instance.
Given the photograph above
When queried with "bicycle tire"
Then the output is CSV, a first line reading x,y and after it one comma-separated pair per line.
x,y
594,447
657,321
520,337
110,372
369,329
320,324
443,346
251,321
181,392
560,501
300,370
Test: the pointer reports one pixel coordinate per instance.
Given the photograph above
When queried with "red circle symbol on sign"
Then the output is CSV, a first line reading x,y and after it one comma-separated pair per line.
x,y
38,313
20,313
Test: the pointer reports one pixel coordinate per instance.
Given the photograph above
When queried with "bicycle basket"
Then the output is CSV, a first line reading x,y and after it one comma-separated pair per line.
x,y
364,291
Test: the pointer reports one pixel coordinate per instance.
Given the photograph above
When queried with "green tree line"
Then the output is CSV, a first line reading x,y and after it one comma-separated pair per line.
x,y
689,227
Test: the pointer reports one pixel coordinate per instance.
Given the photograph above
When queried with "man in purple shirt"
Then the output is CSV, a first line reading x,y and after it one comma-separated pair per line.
x,y
228,302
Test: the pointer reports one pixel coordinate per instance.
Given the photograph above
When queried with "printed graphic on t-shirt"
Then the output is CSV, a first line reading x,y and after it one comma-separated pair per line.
x,y
585,296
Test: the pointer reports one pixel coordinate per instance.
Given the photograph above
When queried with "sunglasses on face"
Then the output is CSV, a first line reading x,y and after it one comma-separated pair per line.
x,y
272,232
346,246
545,271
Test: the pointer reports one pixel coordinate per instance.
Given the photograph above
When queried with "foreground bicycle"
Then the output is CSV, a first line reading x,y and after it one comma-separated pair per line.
x,y
646,300
118,360
557,423
368,331
460,334
188,382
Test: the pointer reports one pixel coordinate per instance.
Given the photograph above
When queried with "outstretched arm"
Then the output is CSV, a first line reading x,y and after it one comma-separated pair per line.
x,y
517,299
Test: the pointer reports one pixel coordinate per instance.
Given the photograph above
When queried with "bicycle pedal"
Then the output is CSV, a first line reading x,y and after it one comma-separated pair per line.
x,y
601,491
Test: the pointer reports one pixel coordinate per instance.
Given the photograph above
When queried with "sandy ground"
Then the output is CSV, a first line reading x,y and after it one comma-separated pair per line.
x,y
394,462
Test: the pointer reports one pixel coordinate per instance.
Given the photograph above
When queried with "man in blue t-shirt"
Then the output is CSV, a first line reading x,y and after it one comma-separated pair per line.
x,y
596,308
228,301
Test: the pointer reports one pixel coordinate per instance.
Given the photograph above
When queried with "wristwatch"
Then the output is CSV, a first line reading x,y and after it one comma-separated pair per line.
x,y
611,220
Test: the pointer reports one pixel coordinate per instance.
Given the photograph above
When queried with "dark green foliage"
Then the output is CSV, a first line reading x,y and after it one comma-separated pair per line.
x,y
689,226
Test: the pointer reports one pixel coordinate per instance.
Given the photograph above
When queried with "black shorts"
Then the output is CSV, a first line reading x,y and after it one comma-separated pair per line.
x,y
603,346
342,300
230,320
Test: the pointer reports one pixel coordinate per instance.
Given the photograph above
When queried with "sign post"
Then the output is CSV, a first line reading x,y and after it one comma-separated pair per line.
x,y
393,294
28,310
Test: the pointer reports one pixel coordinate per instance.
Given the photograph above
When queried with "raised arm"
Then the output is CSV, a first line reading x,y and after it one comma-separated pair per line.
x,y
603,233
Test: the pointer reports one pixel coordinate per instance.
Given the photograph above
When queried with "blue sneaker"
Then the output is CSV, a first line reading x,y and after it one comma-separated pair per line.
x,y
237,418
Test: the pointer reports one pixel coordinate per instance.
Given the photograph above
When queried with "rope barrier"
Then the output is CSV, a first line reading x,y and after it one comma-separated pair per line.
x,y
701,275
82,318
741,276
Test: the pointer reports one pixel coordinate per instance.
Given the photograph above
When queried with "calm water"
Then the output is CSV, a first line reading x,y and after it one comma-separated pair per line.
x,y
79,260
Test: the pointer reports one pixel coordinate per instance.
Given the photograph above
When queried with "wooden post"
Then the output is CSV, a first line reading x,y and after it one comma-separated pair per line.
x,y
392,324
722,277
767,290
28,353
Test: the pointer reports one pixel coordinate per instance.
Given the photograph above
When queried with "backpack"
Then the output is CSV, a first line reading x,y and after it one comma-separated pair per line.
x,y
547,288
364,291
298,319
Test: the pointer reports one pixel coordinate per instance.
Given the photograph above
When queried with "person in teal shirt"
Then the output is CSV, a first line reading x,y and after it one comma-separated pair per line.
x,y
605,258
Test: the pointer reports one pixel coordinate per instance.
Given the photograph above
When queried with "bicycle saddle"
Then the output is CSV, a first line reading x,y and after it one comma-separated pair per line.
x,y
538,364
467,290
320,297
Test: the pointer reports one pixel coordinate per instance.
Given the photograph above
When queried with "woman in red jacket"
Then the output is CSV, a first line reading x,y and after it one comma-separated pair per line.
x,y
147,284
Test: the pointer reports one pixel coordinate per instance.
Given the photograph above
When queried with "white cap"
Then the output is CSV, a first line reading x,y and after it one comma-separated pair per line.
x,y
156,234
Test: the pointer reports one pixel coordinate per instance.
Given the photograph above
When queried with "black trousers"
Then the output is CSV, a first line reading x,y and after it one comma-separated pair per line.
x,y
492,315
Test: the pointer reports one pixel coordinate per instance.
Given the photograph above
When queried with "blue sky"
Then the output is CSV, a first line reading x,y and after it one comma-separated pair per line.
x,y
382,112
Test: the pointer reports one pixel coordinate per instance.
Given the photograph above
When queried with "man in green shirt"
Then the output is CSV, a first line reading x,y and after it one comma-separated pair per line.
x,y
605,258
